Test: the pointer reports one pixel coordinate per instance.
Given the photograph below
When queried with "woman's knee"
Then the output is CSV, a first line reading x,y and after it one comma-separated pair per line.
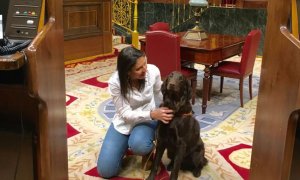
x,y
140,146
107,169
141,138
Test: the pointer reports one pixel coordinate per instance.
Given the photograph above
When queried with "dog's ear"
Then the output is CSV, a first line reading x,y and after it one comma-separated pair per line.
x,y
164,86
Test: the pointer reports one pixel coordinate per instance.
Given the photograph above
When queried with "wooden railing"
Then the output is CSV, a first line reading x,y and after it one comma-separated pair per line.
x,y
46,85
125,14
295,18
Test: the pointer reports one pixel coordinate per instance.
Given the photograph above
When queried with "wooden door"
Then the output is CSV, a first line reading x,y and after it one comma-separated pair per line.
x,y
278,99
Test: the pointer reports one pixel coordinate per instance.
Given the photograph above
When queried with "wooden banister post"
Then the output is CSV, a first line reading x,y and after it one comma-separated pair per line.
x,y
135,34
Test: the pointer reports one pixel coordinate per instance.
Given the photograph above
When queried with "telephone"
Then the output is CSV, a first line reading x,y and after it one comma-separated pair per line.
x,y
8,47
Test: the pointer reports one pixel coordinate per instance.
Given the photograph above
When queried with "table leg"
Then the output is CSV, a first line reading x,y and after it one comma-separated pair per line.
x,y
205,88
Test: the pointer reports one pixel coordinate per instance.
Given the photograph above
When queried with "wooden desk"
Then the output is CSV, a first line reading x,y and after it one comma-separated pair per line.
x,y
12,62
207,52
35,107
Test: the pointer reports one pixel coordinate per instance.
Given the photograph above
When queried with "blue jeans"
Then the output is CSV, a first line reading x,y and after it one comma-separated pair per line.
x,y
115,145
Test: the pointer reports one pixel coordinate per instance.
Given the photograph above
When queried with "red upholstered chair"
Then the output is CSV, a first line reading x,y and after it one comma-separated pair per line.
x,y
161,26
244,68
163,50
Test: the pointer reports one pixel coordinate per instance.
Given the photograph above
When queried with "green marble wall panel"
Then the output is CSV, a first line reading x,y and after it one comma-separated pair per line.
x,y
150,13
234,21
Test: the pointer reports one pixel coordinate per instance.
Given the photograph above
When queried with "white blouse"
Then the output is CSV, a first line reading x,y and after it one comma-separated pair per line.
x,y
137,109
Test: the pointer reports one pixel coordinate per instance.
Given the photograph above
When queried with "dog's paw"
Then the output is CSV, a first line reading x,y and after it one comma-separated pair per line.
x,y
197,173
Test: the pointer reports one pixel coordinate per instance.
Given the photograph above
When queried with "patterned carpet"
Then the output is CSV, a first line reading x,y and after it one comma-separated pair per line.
x,y
228,140
219,107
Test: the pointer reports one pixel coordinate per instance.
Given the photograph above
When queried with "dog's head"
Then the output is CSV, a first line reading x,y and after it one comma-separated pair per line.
x,y
176,90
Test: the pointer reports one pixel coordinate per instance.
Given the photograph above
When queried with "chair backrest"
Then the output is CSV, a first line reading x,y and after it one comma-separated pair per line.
x,y
160,26
250,51
163,50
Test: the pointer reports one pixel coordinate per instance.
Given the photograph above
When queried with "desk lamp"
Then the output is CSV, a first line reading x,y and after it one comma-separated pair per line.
x,y
197,33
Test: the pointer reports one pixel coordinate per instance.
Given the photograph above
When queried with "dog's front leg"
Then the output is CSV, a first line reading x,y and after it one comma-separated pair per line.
x,y
160,148
181,148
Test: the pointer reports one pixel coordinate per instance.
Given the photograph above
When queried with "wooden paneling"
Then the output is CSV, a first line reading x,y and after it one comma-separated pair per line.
x,y
106,12
16,156
255,4
46,84
107,29
16,104
278,99
83,47
87,28
82,21
33,107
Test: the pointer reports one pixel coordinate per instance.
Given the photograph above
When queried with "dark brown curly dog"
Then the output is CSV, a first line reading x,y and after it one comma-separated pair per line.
x,y
181,137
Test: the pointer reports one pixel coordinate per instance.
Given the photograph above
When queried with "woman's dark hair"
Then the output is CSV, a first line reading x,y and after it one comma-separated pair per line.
x,y
126,60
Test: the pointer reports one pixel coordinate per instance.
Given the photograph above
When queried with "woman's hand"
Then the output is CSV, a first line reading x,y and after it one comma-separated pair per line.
x,y
163,114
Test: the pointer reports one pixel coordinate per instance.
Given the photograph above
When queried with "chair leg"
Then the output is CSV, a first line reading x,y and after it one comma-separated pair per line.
x,y
194,84
210,86
221,85
250,86
241,91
